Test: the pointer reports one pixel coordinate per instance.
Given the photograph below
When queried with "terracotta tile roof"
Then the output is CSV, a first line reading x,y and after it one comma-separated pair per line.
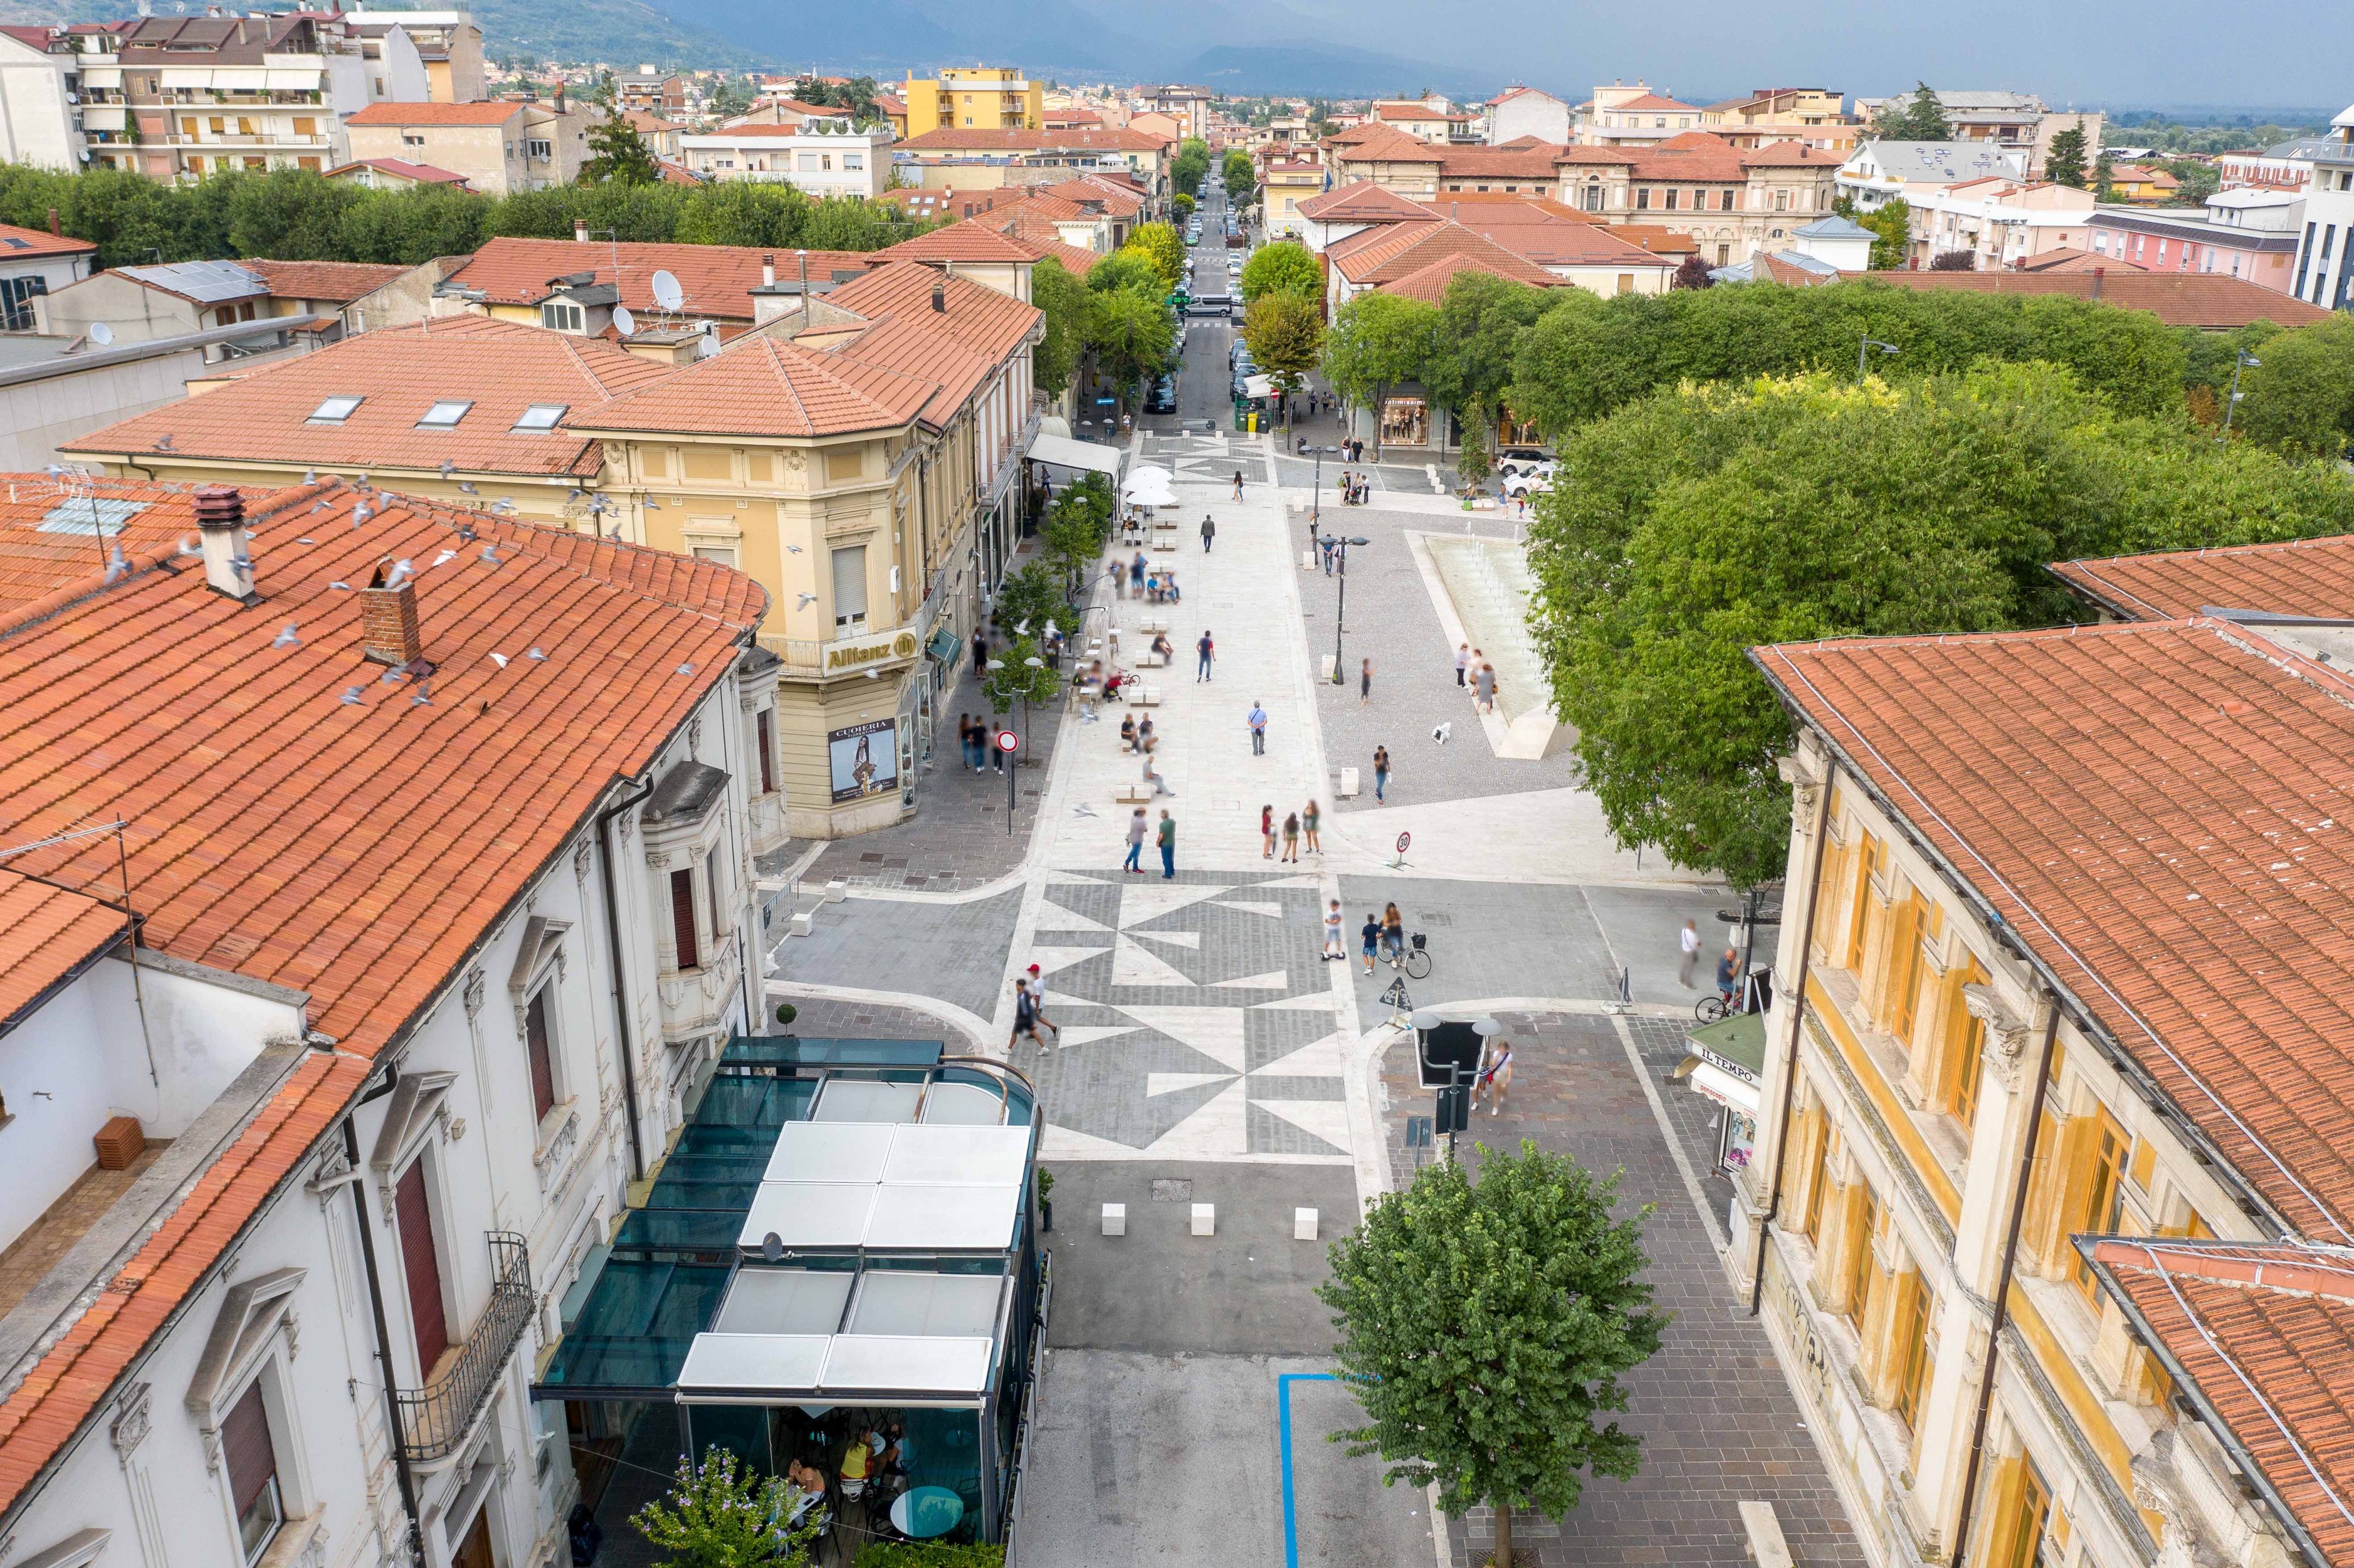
x,y
1370,247
718,279
1774,268
957,139
1379,143
1550,241
759,387
1361,201
1651,100
2265,1336
2160,814
2069,258
356,851
978,317
1428,283
1411,252
1658,240
1785,155
2206,300
402,168
1119,198
398,373
496,112
47,936
2297,577
1499,163
1599,157
15,242
974,239
340,283
50,529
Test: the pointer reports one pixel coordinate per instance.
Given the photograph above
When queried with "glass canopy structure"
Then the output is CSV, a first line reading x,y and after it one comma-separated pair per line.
x,y
836,1268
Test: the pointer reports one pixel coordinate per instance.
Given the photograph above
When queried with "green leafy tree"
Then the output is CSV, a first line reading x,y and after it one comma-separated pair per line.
x,y
1892,230
2063,164
409,228
2193,182
1691,526
1126,269
1237,173
772,216
1377,341
1480,320
1018,681
1191,163
2104,185
1471,462
718,1514
1286,334
1485,1327
1162,246
621,154
1130,333
1286,267
1064,300
1032,597
1920,118
1183,206
2300,398
731,96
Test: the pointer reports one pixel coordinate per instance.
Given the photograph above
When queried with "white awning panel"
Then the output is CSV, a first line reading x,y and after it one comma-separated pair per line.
x,y
1724,1088
293,81
187,76
241,78
899,1364
103,117
101,76
722,1362
1065,453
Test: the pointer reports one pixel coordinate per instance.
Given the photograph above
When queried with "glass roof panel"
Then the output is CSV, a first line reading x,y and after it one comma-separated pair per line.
x,y
865,1100
965,1104
967,1218
809,1214
958,1156
931,1305
784,1301
829,1151
754,1362
902,1364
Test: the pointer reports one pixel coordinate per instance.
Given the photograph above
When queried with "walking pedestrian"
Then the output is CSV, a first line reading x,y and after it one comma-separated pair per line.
x,y
1332,947
979,651
964,737
1483,687
1365,682
1309,819
1118,580
1688,940
1371,934
996,753
1136,575
1495,1075
1462,661
1728,975
1257,722
1168,845
1038,1000
1292,838
1206,650
1025,1018
1210,530
1266,832
1238,484
1137,828
1394,935
1381,774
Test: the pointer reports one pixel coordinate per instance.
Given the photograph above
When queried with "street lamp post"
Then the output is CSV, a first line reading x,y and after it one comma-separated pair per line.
x,y
1866,346
1341,613
2241,360
1033,663
993,666
1316,494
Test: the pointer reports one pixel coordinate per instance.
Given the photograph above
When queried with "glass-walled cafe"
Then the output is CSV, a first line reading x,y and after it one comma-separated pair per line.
x,y
836,1277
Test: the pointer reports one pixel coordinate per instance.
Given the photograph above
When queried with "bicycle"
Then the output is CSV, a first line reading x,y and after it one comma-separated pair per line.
x,y
1710,1009
1417,958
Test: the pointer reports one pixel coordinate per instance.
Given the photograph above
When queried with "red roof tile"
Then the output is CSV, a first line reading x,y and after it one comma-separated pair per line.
x,y
2298,577
978,317
1428,283
2206,300
47,935
717,278
2160,814
15,242
1535,164
339,282
50,531
1361,201
1403,249
759,387
497,112
974,239
398,373
402,168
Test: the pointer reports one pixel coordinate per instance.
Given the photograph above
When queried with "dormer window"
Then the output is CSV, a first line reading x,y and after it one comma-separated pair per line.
x,y
539,418
562,315
445,415
335,410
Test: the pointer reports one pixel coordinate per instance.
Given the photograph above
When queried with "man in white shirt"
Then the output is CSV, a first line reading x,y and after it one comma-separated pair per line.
x,y
1689,942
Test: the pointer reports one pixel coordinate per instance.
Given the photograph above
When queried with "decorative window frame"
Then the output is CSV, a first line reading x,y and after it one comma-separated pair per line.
x,y
255,1338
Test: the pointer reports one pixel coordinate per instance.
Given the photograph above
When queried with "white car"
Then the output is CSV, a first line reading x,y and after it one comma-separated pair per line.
x,y
1517,485
1521,465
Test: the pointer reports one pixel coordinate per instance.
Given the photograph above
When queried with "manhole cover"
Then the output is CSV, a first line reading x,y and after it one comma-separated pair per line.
x,y
1172,1191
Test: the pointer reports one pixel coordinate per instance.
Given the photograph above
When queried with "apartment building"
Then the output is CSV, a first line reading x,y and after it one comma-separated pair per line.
x,y
1527,113
2017,122
1187,105
1733,202
1878,172
1432,120
1623,116
651,89
2018,1077
2285,165
1284,184
572,286
341,1190
961,159
41,95
2324,274
2247,232
315,302
1811,116
498,148
823,157
974,98
1999,222
184,97
443,48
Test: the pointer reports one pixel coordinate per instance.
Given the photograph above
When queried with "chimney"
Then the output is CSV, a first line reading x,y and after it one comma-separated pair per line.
x,y
940,297
2100,275
53,224
581,230
388,619
768,270
221,521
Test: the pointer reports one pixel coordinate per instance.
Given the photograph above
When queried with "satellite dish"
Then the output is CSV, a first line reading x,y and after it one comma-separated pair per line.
x,y
772,1246
101,333
667,293
623,322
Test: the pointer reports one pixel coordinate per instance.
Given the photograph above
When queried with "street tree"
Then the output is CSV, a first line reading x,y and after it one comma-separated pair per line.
x,y
1161,245
1954,261
1126,269
2064,162
620,156
1237,173
1132,335
1485,1327
1286,267
1191,163
1377,341
1471,462
1480,320
1064,300
1018,681
2300,398
2104,185
1286,334
1692,272
1892,230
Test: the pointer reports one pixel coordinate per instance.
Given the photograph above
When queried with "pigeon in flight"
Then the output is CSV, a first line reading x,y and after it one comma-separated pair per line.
x,y
285,638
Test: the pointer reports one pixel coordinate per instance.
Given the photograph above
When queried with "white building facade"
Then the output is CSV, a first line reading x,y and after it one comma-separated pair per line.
x,y
822,157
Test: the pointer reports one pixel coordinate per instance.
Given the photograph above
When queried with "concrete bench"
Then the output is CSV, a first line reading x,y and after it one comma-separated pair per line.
x,y
1205,1219
1154,624
1136,794
1149,660
1766,1547
1303,1224
1146,697
1349,785
1115,1219
1167,541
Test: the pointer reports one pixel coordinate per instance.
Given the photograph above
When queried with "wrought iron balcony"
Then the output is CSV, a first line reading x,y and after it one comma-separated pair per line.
x,y
436,1418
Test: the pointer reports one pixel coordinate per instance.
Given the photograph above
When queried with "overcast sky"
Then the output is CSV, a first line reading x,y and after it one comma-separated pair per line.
x,y
2158,52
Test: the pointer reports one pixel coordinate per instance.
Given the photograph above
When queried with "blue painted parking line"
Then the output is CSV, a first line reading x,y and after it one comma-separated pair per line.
x,y
1283,1383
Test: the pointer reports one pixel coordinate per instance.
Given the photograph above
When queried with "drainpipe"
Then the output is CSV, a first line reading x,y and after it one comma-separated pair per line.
x,y
2002,1284
406,1478
1797,996
620,1001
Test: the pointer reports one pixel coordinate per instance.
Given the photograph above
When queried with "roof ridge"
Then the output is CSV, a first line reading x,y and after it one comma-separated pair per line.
x,y
776,360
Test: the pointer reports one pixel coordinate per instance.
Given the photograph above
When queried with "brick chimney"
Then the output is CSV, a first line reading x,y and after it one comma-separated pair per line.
x,y
220,522
940,297
389,632
53,224
2100,276
769,269
581,230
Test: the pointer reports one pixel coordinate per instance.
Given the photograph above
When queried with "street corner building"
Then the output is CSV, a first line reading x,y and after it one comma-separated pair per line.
x,y
377,896
2050,1211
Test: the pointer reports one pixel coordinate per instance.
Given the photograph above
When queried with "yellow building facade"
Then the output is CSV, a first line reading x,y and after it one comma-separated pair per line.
x,y
974,98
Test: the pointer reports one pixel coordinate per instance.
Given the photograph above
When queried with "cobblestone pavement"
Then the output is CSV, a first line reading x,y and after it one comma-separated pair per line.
x,y
823,1019
866,944
1719,1424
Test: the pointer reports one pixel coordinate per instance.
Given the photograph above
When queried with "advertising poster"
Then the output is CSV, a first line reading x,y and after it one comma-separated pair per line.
x,y
866,759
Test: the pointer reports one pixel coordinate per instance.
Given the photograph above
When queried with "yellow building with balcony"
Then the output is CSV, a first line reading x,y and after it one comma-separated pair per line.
x,y
974,98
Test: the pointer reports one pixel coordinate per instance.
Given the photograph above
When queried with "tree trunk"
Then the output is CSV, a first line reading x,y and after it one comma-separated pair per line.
x,y
1503,1535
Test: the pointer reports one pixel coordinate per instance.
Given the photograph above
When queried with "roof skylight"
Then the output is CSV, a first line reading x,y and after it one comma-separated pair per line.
x,y
540,417
335,410
445,415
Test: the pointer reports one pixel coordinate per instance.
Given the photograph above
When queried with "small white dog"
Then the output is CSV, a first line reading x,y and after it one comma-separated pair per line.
x,y
1441,733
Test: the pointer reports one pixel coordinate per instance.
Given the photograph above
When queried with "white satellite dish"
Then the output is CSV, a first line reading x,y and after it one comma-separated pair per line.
x,y
623,322
667,293
101,333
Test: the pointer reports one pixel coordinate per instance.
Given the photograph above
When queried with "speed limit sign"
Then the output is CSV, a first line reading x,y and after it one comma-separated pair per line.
x,y
1404,840
1007,741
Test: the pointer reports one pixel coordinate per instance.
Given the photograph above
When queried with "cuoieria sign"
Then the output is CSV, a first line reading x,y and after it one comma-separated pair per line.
x,y
858,654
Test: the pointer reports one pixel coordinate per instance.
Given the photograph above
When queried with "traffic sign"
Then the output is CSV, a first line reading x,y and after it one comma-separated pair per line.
x,y
1404,840
1007,740
1106,402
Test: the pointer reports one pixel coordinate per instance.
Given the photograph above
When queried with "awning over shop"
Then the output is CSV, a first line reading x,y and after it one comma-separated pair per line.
x,y
1258,385
944,645
1063,452
1729,1059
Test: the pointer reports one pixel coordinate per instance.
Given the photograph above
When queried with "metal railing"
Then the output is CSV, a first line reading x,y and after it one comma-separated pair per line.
x,y
436,1418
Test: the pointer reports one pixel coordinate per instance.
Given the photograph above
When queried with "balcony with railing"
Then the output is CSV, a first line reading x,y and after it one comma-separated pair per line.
x,y
435,1419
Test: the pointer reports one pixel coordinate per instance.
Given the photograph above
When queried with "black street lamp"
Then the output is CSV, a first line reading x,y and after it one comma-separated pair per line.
x,y
1316,494
993,666
1341,613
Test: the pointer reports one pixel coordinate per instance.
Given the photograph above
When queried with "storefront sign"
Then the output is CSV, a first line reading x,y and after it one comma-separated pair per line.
x,y
864,759
1724,1064
858,655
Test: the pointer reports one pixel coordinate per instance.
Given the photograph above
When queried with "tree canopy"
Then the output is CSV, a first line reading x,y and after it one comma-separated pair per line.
x,y
1692,525
1377,341
1920,118
1065,301
1286,334
1163,247
1191,163
1130,333
2064,162
1285,267
622,155
1891,230
1484,1327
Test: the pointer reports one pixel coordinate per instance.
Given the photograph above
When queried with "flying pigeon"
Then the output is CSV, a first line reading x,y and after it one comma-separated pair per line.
x,y
689,670
491,556
1445,730
1081,811
794,550
306,541
285,638
1023,629
310,476
352,697
392,677
467,486
536,653
418,699
500,660
402,570
807,599
444,557
318,506
447,468
361,514
341,587
164,442
363,482
115,564
189,546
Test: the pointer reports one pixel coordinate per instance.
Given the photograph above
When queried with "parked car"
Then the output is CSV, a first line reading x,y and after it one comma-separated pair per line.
x,y
1517,464
1209,305
1528,484
1164,399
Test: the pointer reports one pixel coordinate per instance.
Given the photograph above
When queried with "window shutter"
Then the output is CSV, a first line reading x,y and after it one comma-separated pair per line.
x,y
421,1265
245,1446
534,1036
768,753
682,919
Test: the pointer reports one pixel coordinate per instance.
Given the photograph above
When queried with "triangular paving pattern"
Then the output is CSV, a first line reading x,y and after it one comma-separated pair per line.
x,y
1060,1142
1274,980
1181,939
1089,1034
1215,1032
1159,1084
1273,911
1314,1001
1051,960
1220,1126
1135,965
1325,1121
1326,1057
1151,902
